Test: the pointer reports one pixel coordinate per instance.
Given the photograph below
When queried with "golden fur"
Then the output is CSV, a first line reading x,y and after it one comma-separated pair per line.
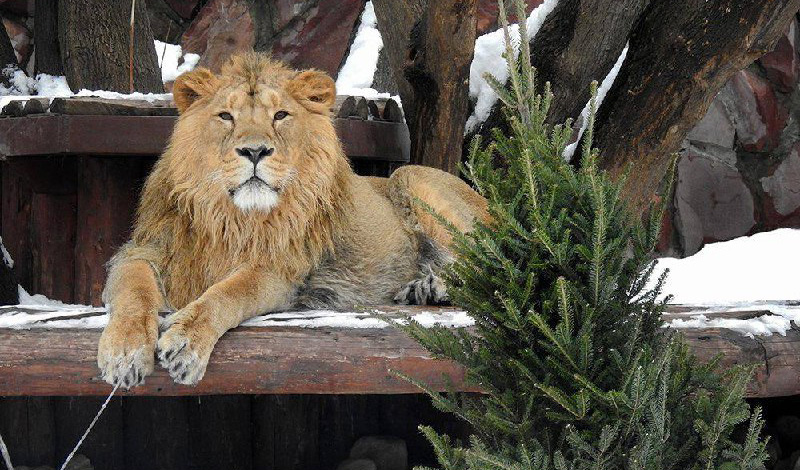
x,y
252,208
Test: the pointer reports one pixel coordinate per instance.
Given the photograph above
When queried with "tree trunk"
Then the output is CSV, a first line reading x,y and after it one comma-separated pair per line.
x,y
7,56
681,54
45,33
578,42
94,36
431,51
395,22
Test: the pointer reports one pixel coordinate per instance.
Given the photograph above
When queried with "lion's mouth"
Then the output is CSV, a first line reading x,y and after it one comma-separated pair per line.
x,y
254,181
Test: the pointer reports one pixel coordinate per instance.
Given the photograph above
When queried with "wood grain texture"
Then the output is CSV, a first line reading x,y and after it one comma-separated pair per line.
x,y
294,360
275,360
54,134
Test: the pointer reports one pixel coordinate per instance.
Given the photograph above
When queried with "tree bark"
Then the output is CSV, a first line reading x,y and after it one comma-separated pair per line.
x,y
395,21
94,38
7,56
431,61
578,42
681,54
45,33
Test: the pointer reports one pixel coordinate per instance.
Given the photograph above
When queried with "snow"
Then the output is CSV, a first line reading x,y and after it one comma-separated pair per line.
x,y
172,61
7,259
758,268
35,309
22,87
753,273
150,97
488,59
355,77
778,321
602,90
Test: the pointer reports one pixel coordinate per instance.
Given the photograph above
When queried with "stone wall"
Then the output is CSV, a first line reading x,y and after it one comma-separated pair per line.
x,y
739,169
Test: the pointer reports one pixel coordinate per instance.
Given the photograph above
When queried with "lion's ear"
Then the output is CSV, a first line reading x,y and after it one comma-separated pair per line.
x,y
315,90
191,86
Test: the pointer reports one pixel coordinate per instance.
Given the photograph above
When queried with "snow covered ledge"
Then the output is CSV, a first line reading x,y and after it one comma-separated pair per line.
x,y
49,348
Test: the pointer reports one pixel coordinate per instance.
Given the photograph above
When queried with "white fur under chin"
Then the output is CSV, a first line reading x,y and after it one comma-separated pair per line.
x,y
255,197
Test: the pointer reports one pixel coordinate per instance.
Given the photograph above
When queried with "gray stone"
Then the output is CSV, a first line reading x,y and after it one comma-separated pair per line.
x,y
784,184
715,128
388,453
357,464
712,202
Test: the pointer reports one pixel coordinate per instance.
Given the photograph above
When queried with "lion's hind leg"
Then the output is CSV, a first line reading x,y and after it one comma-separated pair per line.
x,y
452,199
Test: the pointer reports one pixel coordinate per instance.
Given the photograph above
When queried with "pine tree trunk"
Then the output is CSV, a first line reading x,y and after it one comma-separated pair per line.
x,y
94,37
431,50
681,54
45,33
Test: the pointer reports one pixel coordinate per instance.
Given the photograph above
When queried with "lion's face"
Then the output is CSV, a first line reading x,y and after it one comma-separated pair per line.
x,y
252,116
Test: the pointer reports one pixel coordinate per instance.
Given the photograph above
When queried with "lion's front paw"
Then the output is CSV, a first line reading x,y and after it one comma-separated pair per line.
x,y
427,290
186,345
126,351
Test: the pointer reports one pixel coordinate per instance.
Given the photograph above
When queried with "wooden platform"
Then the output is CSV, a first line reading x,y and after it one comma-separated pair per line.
x,y
56,355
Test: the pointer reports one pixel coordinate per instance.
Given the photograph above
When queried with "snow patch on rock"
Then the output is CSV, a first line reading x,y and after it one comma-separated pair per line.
x,y
7,259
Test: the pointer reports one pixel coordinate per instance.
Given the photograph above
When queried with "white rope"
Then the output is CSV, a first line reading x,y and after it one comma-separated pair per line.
x,y
4,451
91,425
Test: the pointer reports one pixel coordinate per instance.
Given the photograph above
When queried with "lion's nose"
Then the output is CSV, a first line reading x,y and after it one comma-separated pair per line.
x,y
255,154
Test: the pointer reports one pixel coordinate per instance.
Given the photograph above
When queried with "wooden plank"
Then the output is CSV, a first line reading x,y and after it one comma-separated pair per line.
x,y
269,359
247,360
220,432
108,192
375,140
104,446
109,134
156,433
90,105
53,226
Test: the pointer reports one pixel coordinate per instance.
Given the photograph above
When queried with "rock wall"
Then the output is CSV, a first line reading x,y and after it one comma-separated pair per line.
x,y
739,169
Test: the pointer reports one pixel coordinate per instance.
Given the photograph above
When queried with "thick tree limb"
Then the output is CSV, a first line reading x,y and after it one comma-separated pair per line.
x,y
93,39
431,60
578,42
680,56
45,34
7,56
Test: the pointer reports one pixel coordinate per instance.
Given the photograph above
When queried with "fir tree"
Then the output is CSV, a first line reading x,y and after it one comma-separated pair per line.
x,y
568,345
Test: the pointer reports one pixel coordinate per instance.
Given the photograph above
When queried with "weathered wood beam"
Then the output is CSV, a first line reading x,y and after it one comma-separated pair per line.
x,y
297,360
142,133
276,360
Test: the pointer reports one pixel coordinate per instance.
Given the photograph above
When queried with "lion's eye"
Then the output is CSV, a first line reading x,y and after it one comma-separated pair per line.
x,y
280,115
225,116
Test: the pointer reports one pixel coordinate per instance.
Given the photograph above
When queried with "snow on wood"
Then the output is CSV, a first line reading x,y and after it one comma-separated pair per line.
x,y
47,350
356,75
488,59
602,90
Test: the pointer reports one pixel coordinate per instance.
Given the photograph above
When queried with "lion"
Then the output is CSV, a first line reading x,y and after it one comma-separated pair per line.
x,y
253,208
